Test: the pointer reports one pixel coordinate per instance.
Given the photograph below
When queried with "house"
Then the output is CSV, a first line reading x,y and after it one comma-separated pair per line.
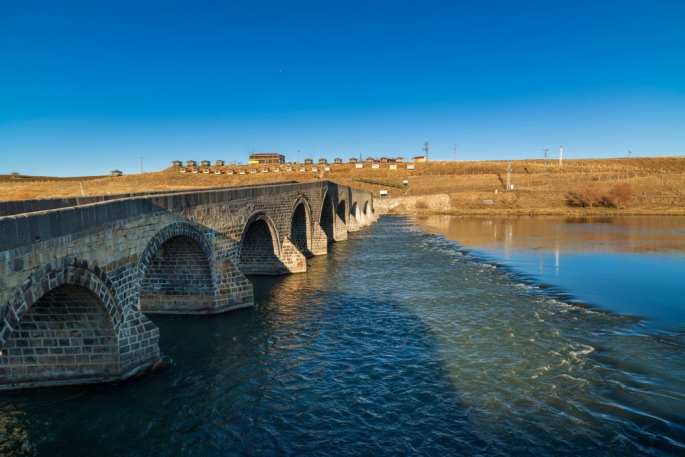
x,y
370,159
205,163
115,173
191,163
323,161
399,159
353,160
337,161
219,163
384,160
308,161
266,158
419,159
176,163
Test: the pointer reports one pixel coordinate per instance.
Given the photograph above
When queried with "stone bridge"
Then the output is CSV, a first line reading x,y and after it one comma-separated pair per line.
x,y
79,275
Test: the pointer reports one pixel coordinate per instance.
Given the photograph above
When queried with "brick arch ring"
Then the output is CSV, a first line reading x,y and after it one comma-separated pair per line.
x,y
302,199
167,233
262,216
77,274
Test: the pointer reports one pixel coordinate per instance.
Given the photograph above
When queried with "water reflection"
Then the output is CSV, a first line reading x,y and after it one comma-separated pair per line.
x,y
600,234
631,266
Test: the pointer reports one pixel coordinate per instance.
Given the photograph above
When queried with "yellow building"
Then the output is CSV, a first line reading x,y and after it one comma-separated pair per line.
x,y
266,158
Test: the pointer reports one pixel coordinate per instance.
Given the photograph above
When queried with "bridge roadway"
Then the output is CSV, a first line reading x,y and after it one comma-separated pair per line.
x,y
79,275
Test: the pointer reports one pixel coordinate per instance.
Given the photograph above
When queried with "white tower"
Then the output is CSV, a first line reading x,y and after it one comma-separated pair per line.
x,y
561,152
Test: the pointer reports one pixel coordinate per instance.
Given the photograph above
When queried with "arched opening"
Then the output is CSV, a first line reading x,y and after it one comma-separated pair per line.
x,y
366,209
258,250
178,267
66,334
300,230
341,211
327,219
355,211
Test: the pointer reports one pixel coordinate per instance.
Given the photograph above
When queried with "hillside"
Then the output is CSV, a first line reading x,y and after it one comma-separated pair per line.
x,y
658,183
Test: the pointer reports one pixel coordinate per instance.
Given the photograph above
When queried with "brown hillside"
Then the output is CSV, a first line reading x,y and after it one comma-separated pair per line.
x,y
658,183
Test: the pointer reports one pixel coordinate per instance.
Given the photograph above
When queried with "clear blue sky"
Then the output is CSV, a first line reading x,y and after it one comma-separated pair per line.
x,y
90,86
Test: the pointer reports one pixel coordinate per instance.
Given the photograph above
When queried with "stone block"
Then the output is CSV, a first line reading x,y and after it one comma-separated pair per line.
x,y
23,230
8,233
78,219
55,226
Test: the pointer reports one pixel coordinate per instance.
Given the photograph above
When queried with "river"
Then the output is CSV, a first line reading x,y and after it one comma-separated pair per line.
x,y
399,342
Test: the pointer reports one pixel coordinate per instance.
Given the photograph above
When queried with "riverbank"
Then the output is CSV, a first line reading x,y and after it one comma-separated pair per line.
x,y
441,204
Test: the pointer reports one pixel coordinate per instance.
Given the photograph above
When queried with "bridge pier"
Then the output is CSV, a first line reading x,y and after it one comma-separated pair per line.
x,y
319,240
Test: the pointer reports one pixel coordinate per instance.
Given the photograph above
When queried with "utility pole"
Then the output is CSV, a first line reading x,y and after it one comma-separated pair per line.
x,y
561,151
545,151
141,164
509,175
455,152
629,152
425,150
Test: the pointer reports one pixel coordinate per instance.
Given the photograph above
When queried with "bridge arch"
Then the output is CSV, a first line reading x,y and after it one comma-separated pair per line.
x,y
301,226
176,272
66,327
260,246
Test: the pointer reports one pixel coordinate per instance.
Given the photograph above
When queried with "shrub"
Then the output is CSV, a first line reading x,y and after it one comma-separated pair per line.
x,y
586,196
619,195
595,193
421,204
23,195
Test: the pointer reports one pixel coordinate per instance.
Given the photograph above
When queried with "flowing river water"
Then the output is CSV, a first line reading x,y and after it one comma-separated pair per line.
x,y
401,342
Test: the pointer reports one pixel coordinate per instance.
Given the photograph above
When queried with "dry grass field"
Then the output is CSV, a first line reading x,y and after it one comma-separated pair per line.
x,y
657,183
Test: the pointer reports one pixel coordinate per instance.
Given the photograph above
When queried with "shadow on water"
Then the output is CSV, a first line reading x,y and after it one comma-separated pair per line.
x,y
308,372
